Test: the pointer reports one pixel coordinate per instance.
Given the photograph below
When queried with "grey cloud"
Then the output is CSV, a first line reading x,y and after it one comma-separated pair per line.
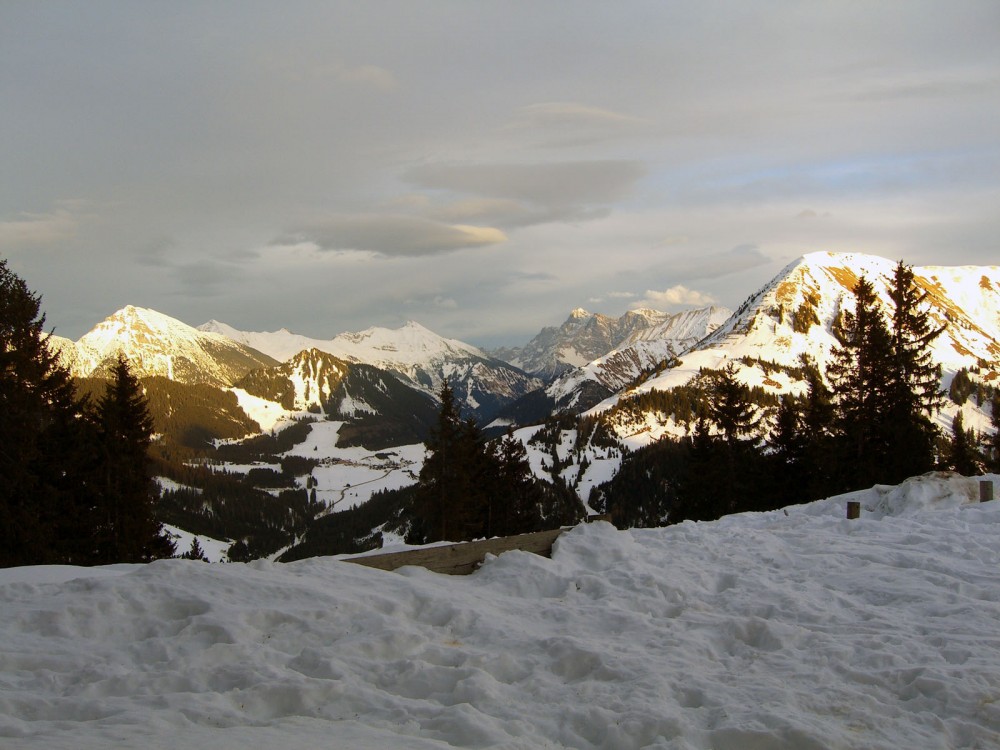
x,y
204,278
714,265
924,88
29,230
392,235
570,124
155,253
510,213
555,185
562,114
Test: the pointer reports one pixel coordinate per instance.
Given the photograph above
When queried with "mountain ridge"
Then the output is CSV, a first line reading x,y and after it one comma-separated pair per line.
x,y
482,383
793,314
158,345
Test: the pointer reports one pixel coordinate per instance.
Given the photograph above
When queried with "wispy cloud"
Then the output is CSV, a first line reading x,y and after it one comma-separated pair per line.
x,y
533,193
391,235
567,124
31,230
675,296
714,265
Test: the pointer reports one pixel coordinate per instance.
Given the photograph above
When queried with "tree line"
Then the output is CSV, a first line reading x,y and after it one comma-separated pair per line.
x,y
471,488
867,421
75,480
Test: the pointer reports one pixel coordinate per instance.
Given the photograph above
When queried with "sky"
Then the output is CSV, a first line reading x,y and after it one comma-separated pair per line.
x,y
482,167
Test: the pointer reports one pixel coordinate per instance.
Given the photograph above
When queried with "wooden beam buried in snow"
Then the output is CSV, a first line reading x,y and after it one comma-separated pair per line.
x,y
462,558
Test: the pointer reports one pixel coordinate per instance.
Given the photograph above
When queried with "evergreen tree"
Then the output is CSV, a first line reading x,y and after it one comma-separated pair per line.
x,y
698,497
195,552
513,495
788,461
818,430
738,472
962,454
915,382
447,495
993,442
730,405
129,532
860,374
44,510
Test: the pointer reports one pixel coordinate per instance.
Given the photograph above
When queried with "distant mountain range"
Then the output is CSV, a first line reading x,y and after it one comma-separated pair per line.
x,y
590,361
246,399
585,337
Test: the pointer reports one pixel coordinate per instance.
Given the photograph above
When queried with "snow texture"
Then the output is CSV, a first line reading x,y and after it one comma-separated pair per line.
x,y
799,630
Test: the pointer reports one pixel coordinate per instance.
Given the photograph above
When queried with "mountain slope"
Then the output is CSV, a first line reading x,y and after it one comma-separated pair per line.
x,y
158,345
378,408
794,314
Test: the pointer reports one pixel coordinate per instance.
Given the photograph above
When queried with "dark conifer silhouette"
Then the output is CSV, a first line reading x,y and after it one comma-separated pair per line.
x,y
993,442
860,376
45,501
195,552
915,381
962,454
128,530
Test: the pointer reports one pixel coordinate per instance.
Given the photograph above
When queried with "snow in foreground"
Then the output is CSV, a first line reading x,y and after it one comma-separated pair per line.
x,y
758,631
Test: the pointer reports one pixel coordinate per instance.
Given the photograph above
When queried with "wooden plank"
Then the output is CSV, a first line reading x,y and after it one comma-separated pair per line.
x,y
463,558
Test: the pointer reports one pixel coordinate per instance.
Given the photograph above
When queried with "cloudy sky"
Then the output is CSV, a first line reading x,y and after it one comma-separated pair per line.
x,y
482,167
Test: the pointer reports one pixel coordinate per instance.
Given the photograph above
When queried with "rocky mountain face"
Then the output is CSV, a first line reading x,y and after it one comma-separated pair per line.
x,y
483,384
643,349
158,345
584,337
646,351
793,315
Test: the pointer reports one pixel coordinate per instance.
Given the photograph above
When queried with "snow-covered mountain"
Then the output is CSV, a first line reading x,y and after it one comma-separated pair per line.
x,y
794,314
379,408
585,336
483,384
156,344
646,350
642,351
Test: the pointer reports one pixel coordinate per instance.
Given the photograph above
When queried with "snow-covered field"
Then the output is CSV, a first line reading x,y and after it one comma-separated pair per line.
x,y
770,630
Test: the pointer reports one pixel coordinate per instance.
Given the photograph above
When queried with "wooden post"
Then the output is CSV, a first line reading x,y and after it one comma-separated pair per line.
x,y
853,509
985,490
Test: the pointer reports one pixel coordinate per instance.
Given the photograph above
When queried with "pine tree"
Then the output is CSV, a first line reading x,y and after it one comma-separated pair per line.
x,y
514,497
44,513
818,431
788,461
730,405
860,375
129,532
446,494
993,442
195,552
915,383
962,454
698,497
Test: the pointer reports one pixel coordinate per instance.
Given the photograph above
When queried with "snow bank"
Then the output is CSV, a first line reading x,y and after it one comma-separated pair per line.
x,y
761,630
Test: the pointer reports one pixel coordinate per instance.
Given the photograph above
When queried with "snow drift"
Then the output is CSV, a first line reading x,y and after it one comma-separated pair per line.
x,y
797,630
